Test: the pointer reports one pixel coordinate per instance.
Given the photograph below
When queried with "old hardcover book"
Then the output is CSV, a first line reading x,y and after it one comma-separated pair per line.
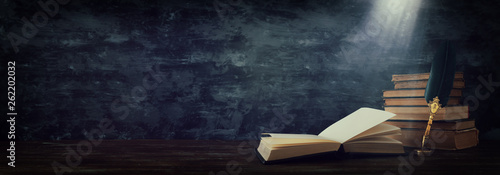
x,y
422,113
360,132
436,125
421,76
440,139
457,84
415,101
415,93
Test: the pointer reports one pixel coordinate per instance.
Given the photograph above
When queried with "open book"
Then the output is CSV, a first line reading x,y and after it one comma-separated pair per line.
x,y
360,132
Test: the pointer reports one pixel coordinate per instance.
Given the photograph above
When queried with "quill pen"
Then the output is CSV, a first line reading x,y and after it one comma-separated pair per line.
x,y
440,83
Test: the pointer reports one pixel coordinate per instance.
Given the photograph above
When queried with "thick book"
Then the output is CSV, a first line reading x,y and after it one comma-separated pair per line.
x,y
415,101
415,93
440,139
360,132
453,125
421,76
422,113
457,84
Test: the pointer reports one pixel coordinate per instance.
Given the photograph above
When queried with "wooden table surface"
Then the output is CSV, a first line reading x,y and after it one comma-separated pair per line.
x,y
229,157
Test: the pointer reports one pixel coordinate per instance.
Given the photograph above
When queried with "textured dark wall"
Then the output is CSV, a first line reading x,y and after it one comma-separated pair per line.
x,y
231,69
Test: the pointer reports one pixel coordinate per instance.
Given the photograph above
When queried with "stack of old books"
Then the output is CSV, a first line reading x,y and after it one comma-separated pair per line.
x,y
451,129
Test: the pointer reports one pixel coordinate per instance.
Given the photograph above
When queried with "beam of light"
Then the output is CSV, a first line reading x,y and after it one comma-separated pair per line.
x,y
397,21
387,30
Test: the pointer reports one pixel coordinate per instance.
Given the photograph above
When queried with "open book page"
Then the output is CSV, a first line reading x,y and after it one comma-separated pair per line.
x,y
379,130
283,140
374,145
355,123
293,148
293,136
374,140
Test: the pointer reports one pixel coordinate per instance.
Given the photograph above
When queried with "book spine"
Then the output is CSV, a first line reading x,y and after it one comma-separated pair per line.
x,y
450,110
421,76
449,140
437,117
423,84
437,125
415,93
415,101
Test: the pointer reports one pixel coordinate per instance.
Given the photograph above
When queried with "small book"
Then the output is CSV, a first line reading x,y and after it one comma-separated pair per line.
x,y
415,93
415,101
457,84
421,76
453,125
440,139
360,132
422,113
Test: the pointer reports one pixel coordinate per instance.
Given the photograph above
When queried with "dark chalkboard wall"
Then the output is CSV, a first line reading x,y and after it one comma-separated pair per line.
x,y
232,69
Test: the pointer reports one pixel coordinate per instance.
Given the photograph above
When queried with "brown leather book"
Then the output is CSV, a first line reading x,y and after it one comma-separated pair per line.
x,y
439,139
415,101
453,125
422,113
457,84
420,76
415,93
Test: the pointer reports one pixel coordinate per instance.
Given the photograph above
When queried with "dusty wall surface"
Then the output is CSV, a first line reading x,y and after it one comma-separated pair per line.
x,y
231,69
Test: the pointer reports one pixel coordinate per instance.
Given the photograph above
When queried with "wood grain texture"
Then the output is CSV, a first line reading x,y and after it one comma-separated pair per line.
x,y
202,157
